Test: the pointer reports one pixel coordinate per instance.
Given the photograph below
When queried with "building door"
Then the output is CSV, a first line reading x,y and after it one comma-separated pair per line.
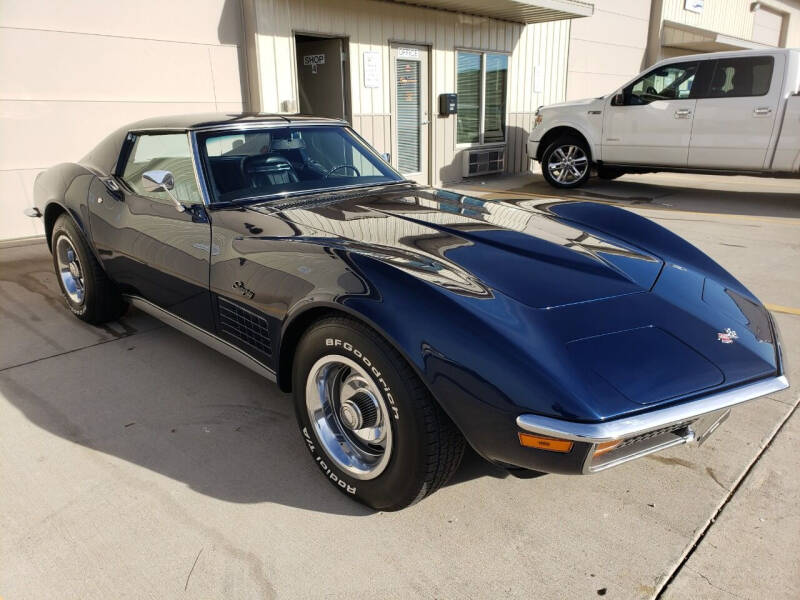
x,y
410,112
321,77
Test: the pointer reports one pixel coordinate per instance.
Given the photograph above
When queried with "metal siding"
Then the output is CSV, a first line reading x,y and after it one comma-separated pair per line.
x,y
372,26
730,17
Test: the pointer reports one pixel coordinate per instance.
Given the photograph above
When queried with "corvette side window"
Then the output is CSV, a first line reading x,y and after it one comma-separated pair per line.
x,y
166,152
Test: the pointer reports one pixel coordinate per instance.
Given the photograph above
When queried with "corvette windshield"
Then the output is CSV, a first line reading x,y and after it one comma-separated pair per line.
x,y
264,162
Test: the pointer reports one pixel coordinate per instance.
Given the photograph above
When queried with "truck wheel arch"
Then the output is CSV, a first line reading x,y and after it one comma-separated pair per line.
x,y
558,131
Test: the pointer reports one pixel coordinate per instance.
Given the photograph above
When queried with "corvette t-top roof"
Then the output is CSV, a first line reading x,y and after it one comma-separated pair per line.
x,y
215,120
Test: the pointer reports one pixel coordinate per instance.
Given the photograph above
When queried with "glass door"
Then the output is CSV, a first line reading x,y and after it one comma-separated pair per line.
x,y
410,112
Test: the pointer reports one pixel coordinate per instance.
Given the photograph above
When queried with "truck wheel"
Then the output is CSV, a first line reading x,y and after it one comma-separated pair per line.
x,y
609,173
565,162
371,426
89,293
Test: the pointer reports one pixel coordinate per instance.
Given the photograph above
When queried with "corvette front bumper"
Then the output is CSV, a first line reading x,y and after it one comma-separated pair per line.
x,y
616,441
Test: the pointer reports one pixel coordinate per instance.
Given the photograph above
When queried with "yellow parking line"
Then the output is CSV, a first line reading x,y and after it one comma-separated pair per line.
x,y
644,206
789,310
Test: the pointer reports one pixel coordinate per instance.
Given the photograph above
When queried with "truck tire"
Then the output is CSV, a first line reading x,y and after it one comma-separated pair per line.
x,y
371,426
566,163
89,293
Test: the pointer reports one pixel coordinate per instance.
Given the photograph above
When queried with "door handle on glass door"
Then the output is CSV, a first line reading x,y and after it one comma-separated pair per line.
x,y
682,113
762,111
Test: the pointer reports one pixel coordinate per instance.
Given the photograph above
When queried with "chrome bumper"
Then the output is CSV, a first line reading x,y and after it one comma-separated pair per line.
x,y
651,431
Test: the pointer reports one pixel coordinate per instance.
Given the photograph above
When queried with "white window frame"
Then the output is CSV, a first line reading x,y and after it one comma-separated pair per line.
x,y
482,112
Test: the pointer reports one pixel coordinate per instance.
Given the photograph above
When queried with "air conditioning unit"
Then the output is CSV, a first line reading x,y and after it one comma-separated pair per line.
x,y
484,161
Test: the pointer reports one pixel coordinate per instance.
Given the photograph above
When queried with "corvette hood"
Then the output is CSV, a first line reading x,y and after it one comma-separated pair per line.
x,y
479,246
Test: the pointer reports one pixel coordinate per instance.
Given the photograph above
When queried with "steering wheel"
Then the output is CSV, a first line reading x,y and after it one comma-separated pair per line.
x,y
334,169
651,91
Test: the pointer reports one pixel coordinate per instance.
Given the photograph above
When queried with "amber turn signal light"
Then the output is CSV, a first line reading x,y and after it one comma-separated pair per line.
x,y
606,447
544,443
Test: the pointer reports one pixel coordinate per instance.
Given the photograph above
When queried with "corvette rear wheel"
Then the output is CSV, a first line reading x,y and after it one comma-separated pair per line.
x,y
87,290
370,425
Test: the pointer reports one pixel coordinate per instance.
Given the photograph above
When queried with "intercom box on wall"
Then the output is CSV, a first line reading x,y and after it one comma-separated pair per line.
x,y
448,104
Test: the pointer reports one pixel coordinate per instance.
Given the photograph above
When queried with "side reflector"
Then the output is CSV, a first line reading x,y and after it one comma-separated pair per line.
x,y
544,443
606,447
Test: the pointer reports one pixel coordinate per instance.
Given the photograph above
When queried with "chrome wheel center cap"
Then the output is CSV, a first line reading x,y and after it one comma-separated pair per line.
x,y
350,415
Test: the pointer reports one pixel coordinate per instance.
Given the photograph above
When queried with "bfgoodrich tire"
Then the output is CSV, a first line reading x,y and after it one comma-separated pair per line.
x,y
87,290
566,163
370,425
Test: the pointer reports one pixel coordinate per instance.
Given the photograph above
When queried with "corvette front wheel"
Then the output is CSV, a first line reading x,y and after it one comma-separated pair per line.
x,y
370,425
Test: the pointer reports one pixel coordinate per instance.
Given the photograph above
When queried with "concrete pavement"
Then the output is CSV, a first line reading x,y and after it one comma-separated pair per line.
x,y
135,463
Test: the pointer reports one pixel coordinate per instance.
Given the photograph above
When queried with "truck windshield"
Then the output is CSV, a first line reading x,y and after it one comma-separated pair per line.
x,y
255,163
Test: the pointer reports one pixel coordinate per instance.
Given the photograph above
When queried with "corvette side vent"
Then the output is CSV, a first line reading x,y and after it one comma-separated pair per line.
x,y
244,325
483,162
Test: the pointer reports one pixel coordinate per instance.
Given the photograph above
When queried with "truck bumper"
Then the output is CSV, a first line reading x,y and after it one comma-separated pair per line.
x,y
532,148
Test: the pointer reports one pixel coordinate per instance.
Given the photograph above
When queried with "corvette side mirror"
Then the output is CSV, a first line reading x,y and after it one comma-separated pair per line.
x,y
161,181
618,99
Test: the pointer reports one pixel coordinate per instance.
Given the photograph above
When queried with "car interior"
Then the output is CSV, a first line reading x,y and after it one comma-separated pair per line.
x,y
271,161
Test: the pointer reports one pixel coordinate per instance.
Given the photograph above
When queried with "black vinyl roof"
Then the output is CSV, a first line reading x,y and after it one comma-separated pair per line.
x,y
208,120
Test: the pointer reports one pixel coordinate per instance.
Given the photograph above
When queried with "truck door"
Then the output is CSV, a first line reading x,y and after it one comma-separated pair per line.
x,y
735,117
650,121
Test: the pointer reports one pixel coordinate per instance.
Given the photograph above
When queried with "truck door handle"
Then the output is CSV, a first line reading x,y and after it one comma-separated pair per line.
x,y
683,113
762,111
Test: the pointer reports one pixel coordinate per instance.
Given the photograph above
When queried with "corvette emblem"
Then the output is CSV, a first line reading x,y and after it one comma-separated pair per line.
x,y
727,336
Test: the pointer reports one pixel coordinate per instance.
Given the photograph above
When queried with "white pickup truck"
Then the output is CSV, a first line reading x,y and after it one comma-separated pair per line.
x,y
725,113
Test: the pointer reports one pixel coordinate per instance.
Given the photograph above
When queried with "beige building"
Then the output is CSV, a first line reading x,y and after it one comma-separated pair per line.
x,y
624,37
72,72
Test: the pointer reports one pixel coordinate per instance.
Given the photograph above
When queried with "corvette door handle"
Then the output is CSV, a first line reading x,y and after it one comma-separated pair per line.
x,y
683,113
762,111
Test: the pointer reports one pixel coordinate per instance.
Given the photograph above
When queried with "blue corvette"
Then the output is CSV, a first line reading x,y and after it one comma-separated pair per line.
x,y
550,335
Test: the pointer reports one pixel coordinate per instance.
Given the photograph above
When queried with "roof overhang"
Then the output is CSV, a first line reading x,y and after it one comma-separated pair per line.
x,y
686,37
517,11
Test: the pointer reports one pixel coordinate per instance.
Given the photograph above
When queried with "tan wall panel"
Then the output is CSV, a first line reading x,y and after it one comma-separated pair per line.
x,y
608,48
69,66
70,73
16,194
196,21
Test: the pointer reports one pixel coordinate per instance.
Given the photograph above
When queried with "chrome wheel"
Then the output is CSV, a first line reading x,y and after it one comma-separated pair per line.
x,y
349,416
568,164
69,269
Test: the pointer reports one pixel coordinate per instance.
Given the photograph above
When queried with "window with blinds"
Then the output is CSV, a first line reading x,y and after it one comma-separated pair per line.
x,y
481,80
408,116
468,88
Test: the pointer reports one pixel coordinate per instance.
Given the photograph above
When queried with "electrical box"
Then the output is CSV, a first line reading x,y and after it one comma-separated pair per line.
x,y
448,104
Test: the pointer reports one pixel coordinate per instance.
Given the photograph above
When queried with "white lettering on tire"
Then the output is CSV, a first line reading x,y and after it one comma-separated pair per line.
x,y
337,343
351,489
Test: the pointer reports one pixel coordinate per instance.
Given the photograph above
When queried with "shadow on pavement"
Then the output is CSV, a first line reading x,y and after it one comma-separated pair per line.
x,y
700,193
160,400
